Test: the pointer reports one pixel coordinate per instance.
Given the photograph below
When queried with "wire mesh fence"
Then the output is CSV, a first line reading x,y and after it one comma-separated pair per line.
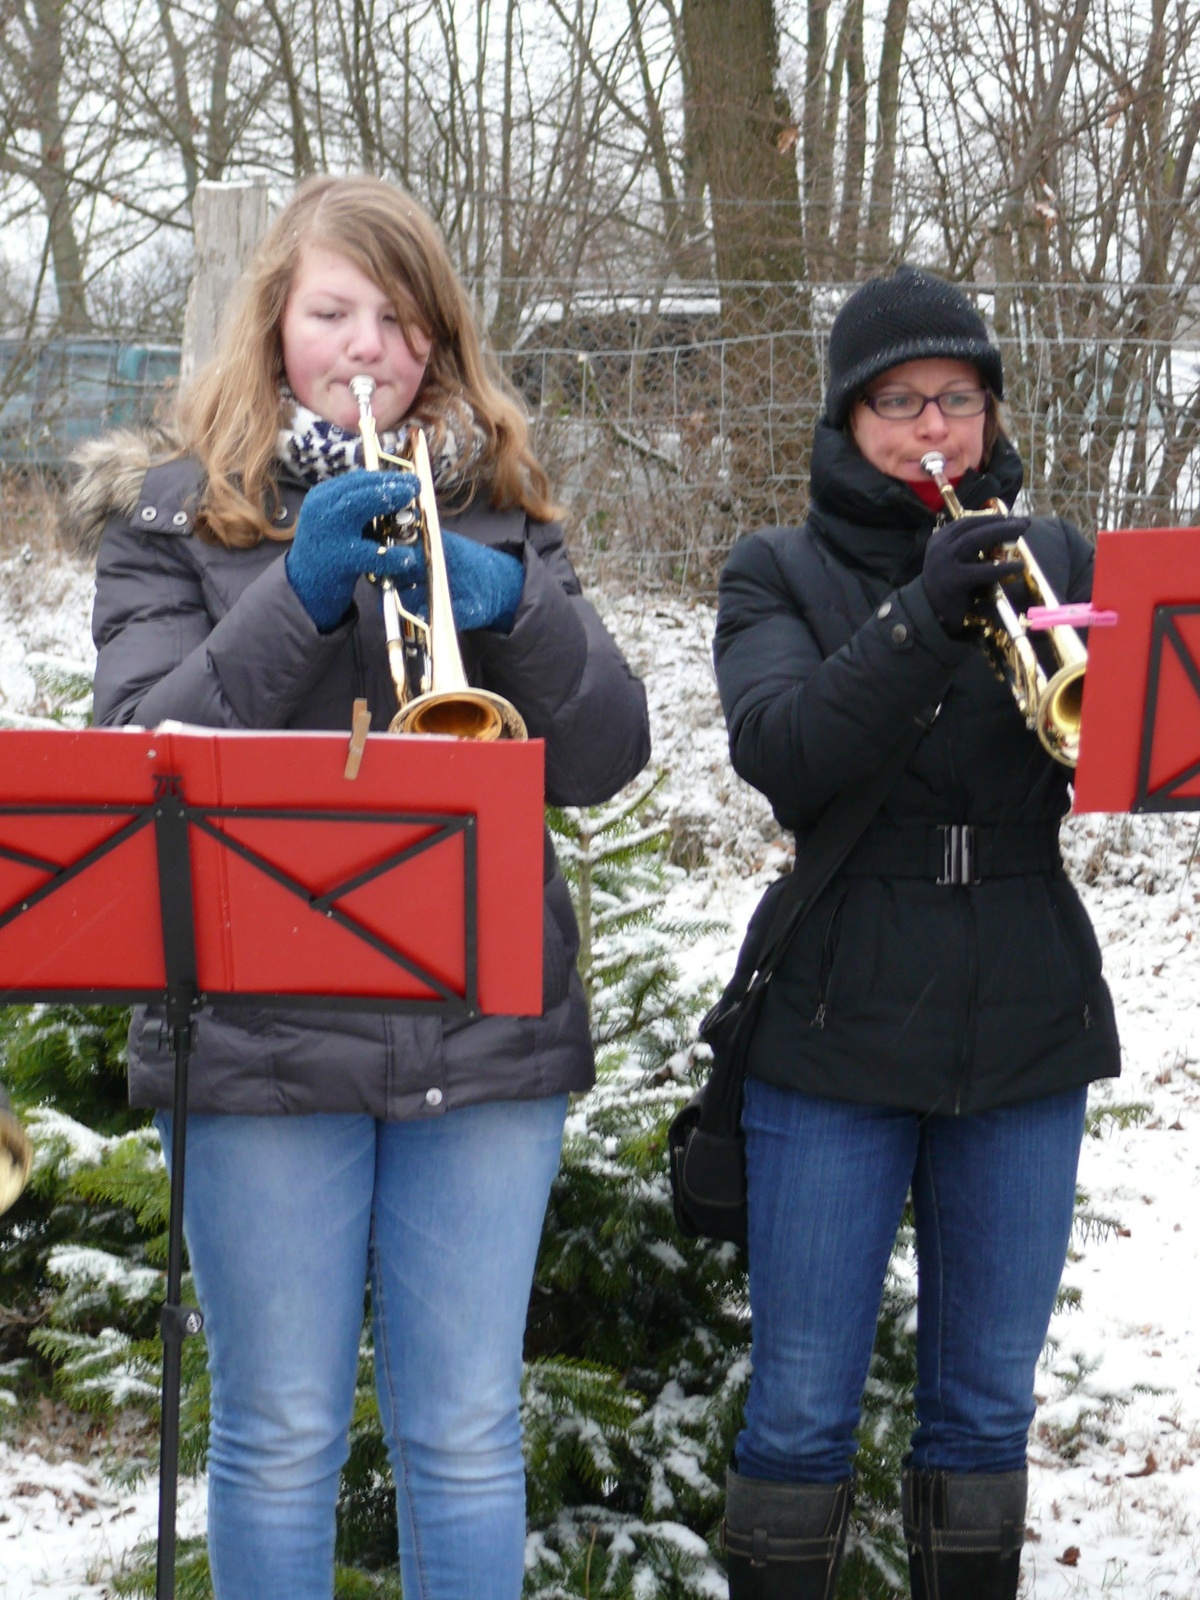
x,y
668,435
674,417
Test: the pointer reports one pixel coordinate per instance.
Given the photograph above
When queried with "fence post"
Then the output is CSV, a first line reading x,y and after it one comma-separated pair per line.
x,y
228,220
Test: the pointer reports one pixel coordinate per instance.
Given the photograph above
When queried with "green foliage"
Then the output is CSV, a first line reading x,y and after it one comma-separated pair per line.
x,y
1119,1115
70,1058
65,688
366,1515
192,1578
614,858
876,1567
65,1070
64,694
637,1346
193,1581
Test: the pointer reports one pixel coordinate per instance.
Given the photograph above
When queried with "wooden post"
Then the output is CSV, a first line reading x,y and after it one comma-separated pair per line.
x,y
228,220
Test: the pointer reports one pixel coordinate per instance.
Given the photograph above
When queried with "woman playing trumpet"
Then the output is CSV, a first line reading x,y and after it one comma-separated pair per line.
x,y
328,1148
937,1017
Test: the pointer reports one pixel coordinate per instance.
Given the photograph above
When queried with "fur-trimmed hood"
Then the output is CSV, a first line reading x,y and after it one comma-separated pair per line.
x,y
108,479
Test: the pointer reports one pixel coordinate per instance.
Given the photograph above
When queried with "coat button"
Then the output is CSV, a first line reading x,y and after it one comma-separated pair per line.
x,y
899,633
282,514
885,609
149,513
433,1097
179,520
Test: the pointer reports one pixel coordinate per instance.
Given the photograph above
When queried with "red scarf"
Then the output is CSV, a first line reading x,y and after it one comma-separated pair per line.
x,y
928,493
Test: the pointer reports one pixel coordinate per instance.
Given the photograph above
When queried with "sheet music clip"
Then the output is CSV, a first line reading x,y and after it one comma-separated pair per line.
x,y
1072,616
359,727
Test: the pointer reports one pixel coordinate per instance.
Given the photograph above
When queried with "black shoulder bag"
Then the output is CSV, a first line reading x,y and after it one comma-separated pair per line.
x,y
705,1142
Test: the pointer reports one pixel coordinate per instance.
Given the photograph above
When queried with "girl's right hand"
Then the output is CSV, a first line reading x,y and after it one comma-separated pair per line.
x,y
332,547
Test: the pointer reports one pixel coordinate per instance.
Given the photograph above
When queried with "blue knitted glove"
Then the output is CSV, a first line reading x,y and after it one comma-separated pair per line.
x,y
486,585
329,553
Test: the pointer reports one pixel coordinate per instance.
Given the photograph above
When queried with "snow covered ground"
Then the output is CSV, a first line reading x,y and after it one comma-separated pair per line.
x,y
1115,1496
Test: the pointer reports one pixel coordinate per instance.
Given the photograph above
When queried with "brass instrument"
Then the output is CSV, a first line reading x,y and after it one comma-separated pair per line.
x,y
1050,698
16,1156
426,665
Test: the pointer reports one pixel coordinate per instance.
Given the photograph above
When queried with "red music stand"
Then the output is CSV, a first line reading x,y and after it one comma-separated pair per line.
x,y
182,865
1140,739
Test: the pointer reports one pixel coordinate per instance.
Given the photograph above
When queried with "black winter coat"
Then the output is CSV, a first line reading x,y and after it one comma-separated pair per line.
x,y
199,633
897,990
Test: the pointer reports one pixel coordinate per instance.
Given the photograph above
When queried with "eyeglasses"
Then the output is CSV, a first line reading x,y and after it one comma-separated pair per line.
x,y
905,405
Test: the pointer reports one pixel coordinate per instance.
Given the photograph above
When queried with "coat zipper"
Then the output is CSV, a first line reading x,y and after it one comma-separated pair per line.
x,y
827,944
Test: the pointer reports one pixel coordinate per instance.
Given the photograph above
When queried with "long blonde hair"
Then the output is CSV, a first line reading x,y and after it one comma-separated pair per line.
x,y
231,412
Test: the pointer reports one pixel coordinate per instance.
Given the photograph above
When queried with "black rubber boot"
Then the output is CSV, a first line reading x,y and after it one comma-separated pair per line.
x,y
783,1541
964,1532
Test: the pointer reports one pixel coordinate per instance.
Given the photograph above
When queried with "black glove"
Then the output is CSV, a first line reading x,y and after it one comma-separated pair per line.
x,y
959,566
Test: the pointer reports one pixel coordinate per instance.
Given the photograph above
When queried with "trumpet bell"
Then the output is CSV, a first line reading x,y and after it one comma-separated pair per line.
x,y
1046,681
16,1159
1060,713
461,714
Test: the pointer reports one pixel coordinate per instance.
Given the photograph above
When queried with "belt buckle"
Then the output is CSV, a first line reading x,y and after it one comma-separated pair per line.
x,y
958,853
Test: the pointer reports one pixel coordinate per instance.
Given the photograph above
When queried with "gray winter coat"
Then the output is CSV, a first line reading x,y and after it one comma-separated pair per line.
x,y
190,630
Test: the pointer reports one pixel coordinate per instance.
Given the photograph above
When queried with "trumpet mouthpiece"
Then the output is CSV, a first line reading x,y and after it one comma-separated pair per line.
x,y
933,463
362,388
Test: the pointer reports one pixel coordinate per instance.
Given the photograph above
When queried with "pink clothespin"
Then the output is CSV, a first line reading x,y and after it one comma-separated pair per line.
x,y
1073,616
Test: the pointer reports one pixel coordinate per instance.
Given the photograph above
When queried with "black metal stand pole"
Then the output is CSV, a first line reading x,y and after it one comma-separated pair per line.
x,y
178,1320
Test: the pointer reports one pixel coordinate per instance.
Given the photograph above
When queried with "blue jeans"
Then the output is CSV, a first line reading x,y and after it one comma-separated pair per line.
x,y
993,1196
285,1218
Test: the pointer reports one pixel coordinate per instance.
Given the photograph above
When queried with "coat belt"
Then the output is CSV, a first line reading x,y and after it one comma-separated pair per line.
x,y
957,852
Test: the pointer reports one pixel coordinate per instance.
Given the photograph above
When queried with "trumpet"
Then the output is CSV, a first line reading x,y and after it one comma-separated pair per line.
x,y
432,692
16,1156
1050,697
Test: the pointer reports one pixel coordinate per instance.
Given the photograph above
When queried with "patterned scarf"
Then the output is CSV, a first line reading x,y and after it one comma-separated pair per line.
x,y
315,449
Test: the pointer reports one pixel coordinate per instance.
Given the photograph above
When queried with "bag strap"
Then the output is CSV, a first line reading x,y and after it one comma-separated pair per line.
x,y
838,829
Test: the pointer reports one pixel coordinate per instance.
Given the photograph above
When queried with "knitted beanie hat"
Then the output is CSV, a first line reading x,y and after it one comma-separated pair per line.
x,y
908,317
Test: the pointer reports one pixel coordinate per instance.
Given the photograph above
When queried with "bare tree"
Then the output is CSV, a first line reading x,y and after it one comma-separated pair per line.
x,y
677,191
42,122
1068,187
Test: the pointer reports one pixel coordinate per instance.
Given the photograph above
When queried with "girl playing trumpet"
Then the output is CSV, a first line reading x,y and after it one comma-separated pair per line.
x,y
326,1149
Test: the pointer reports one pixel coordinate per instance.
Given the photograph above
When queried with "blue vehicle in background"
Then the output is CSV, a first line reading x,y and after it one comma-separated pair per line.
x,y
55,393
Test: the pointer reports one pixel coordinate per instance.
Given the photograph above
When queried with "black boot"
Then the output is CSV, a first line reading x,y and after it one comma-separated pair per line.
x,y
964,1532
783,1541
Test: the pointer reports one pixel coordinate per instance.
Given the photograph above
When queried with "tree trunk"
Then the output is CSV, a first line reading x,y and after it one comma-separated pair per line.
x,y
878,233
52,176
743,127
